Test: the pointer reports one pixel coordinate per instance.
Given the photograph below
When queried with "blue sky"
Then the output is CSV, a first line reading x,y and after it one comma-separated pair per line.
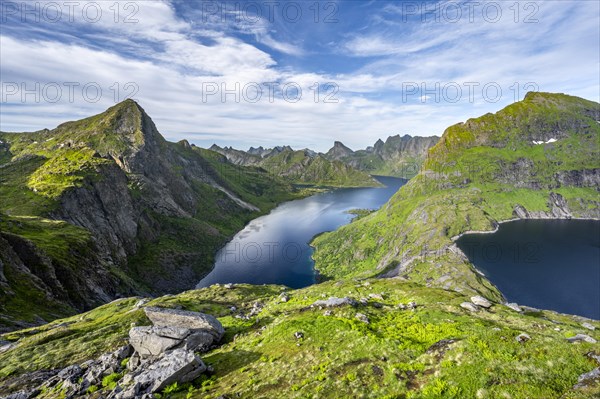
x,y
291,72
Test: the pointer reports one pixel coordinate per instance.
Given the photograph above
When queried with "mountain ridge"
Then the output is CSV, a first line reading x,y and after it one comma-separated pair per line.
x,y
107,192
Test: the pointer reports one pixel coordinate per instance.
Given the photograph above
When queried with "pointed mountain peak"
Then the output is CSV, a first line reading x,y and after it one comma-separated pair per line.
x,y
338,151
118,131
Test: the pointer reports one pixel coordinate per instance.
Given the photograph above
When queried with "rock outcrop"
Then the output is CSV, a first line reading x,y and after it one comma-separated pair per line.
x,y
156,357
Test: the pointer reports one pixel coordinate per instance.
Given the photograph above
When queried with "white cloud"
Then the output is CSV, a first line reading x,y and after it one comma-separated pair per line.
x,y
182,58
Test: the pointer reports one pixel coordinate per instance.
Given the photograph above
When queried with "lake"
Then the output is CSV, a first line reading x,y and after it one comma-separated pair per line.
x,y
273,249
547,264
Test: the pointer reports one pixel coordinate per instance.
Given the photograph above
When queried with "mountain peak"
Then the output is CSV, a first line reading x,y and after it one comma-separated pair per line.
x,y
119,131
338,151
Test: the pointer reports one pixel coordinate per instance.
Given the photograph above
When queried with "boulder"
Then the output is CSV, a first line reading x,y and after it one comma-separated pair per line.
x,y
469,306
5,346
179,365
334,302
162,317
198,341
588,379
582,337
147,341
588,326
362,317
522,338
481,301
514,307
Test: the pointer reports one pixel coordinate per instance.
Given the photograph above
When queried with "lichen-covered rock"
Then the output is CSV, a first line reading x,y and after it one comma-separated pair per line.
x,y
179,365
582,337
162,317
481,301
522,338
469,306
334,302
514,307
149,341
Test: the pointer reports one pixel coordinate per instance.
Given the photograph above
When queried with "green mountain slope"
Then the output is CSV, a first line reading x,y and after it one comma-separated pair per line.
x,y
104,207
436,350
481,172
301,167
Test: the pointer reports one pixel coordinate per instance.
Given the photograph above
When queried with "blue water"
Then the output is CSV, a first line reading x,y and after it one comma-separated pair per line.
x,y
548,264
273,249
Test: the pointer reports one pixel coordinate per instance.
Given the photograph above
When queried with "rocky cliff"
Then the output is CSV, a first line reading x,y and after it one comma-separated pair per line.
x,y
400,156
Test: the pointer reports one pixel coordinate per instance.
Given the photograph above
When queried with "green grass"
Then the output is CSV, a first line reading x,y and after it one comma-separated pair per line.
x,y
340,356
300,168
66,169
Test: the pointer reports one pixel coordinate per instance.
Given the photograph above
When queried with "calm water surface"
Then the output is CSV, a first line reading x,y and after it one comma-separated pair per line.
x,y
273,249
549,264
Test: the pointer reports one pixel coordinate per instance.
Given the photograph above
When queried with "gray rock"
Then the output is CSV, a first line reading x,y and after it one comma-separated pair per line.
x,y
70,373
469,306
19,395
588,379
147,342
582,337
514,307
5,346
134,362
199,341
584,325
376,296
521,338
334,302
298,335
162,317
481,301
179,365
284,297
362,317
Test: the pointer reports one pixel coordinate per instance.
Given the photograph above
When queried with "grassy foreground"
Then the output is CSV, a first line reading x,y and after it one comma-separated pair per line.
x,y
436,350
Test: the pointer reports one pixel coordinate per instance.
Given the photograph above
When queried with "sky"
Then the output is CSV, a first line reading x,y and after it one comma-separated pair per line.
x,y
299,73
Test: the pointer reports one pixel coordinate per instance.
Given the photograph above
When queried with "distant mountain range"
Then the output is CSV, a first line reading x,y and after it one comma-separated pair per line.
x,y
400,156
299,167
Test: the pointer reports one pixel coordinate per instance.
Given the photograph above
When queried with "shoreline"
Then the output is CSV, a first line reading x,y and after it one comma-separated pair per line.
x,y
498,223
497,226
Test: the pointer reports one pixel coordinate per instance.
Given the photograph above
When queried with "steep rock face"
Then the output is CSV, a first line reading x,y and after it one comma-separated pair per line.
x,y
338,151
400,156
106,208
